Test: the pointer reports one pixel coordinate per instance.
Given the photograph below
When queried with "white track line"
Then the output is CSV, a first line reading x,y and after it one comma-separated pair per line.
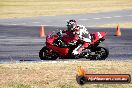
x,y
55,62
84,19
107,17
92,26
117,16
12,24
35,22
96,18
129,15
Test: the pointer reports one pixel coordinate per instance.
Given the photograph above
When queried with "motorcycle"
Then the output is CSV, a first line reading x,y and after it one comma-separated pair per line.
x,y
56,47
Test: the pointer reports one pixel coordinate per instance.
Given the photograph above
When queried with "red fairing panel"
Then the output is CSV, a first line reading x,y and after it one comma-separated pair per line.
x,y
98,35
61,51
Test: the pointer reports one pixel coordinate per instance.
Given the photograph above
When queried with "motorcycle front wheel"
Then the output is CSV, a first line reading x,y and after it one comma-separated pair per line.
x,y
46,54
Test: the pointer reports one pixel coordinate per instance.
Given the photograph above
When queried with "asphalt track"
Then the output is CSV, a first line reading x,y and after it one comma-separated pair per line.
x,y
21,42
89,20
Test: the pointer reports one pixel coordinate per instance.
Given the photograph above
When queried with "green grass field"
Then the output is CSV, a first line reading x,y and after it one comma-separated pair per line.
x,y
60,74
31,8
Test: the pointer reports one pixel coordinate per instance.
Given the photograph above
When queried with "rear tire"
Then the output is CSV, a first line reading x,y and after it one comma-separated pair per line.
x,y
44,54
101,53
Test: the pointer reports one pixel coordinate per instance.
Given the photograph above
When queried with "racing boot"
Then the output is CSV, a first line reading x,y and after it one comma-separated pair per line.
x,y
82,47
77,51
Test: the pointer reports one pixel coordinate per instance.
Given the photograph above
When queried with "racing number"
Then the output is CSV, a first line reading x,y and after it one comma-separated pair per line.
x,y
100,36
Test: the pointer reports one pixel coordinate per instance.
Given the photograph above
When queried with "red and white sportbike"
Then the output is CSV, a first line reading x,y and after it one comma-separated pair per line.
x,y
56,47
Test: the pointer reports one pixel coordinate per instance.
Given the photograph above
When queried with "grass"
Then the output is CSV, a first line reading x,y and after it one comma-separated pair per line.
x,y
18,85
113,25
30,8
60,74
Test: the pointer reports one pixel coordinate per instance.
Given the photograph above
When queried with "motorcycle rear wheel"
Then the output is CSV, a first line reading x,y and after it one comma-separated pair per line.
x,y
101,53
44,54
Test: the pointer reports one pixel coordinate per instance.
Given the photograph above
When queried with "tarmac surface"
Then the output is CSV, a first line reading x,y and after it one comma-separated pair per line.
x,y
89,20
20,41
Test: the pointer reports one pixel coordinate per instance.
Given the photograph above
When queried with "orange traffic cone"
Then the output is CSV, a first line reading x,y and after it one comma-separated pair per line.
x,y
42,33
81,71
118,31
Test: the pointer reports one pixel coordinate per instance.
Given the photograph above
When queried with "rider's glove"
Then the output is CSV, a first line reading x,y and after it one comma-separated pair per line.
x,y
59,33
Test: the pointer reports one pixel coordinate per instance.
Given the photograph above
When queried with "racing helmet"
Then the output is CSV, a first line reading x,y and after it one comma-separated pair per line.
x,y
71,25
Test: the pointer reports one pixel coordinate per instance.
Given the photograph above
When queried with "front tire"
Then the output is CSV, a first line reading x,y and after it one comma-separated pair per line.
x,y
45,55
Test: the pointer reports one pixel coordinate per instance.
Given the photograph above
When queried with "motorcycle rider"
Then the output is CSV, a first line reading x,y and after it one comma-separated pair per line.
x,y
77,31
